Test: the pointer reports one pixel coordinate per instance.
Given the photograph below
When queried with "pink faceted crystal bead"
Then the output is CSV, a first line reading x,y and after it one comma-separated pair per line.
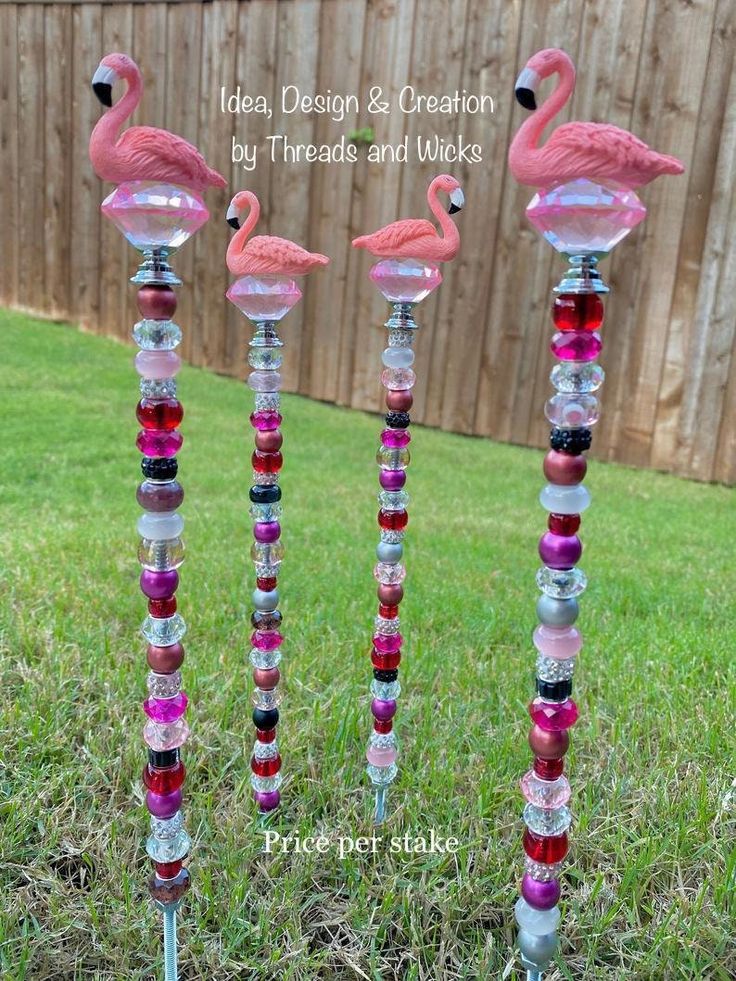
x,y
166,709
576,345
381,756
266,420
157,364
396,438
583,217
558,642
152,442
264,298
549,794
266,640
165,736
406,280
553,716
153,215
387,643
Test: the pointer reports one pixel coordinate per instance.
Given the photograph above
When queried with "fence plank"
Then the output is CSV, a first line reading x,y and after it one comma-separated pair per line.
x,y
9,250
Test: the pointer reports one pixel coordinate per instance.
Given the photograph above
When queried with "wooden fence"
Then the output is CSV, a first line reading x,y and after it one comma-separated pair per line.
x,y
662,68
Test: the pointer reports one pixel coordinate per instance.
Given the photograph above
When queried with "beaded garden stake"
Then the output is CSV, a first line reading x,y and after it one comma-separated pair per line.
x,y
584,206
157,207
265,292
408,272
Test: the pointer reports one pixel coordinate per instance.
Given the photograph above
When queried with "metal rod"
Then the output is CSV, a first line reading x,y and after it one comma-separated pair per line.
x,y
380,816
533,976
170,969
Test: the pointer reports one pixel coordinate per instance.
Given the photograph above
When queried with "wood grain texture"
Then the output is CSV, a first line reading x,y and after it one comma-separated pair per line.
x,y
664,69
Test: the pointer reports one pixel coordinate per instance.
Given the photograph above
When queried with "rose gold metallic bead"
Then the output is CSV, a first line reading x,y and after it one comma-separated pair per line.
x,y
390,595
548,745
564,468
156,302
268,441
164,660
266,678
399,401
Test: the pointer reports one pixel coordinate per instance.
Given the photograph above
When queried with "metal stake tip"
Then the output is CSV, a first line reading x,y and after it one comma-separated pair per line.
x,y
380,815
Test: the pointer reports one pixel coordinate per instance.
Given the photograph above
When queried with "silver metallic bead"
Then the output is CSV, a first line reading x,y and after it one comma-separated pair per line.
x,y
537,950
389,551
265,601
557,612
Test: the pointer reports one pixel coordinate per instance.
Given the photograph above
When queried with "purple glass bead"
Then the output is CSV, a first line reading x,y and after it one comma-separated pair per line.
x,y
396,438
392,480
266,640
383,710
159,585
540,895
159,442
166,709
560,551
267,800
267,531
163,805
153,496
387,643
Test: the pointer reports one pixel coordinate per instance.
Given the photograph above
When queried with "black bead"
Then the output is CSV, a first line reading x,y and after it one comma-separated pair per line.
x,y
265,494
573,441
555,691
265,719
164,758
159,467
266,621
398,420
385,675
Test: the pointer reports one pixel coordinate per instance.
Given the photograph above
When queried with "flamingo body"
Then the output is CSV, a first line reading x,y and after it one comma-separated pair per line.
x,y
142,152
597,151
418,238
265,255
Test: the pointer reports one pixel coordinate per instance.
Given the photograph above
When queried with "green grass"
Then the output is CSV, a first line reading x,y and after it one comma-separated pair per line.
x,y
647,891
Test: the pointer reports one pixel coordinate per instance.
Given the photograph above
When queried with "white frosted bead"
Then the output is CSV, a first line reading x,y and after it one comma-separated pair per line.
x,y
398,357
572,499
536,921
160,526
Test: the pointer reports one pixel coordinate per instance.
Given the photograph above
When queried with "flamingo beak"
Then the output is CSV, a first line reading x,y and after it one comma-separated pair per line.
x,y
102,83
457,200
232,217
525,87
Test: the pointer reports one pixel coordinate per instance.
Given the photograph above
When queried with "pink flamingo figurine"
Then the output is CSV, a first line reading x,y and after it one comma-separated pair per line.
x,y
264,254
596,151
417,238
141,152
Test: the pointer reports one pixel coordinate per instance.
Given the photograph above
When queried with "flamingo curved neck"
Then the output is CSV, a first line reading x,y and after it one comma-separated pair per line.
x,y
237,242
450,233
530,132
111,123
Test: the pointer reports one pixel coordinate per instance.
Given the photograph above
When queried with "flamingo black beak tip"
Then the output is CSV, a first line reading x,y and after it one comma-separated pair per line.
x,y
233,222
453,209
525,97
103,91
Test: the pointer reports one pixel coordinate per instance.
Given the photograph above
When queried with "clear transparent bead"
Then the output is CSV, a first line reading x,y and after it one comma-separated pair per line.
x,y
391,458
393,500
265,358
265,381
553,669
167,827
383,740
161,556
267,401
549,823
169,849
392,537
158,388
265,700
572,411
157,335
542,872
164,631
265,751
265,479
400,338
386,691
381,776
387,627
546,794
561,583
267,553
577,377
265,512
164,685
265,659
389,575
265,784
398,357
165,736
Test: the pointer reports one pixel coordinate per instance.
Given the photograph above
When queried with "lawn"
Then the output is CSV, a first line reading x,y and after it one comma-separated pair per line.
x,y
649,887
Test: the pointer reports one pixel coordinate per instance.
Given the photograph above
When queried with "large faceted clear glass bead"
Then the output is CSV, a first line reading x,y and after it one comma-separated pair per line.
x,y
264,298
157,335
155,216
382,776
164,631
406,280
561,583
549,822
577,377
386,691
167,827
264,785
169,849
265,659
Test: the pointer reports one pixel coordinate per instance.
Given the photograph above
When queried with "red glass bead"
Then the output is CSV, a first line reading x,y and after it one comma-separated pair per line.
x,y
165,780
563,524
159,413
399,401
265,735
167,870
546,849
383,725
393,520
156,302
266,768
388,612
577,311
267,585
385,662
548,769
269,440
162,608
266,462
